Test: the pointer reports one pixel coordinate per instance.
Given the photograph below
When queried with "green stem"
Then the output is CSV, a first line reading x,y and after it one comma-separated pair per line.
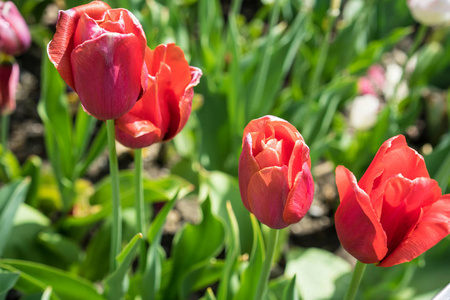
x,y
356,279
116,232
265,272
139,204
5,131
323,52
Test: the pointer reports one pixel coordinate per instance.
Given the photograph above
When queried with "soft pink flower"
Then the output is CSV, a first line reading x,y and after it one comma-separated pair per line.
x,y
14,33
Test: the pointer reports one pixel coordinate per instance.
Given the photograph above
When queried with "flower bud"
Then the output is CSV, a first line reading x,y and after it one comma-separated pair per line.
x,y
14,34
275,181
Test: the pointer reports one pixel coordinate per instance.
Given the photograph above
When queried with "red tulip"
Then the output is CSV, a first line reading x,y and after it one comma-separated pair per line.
x,y
165,107
99,52
275,181
9,78
395,212
14,34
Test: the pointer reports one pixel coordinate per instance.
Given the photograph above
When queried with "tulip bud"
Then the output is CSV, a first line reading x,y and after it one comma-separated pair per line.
x,y
430,12
166,105
275,181
9,78
14,34
99,52
395,212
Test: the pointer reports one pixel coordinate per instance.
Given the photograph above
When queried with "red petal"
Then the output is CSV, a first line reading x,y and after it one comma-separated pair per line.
x,y
433,227
394,157
145,140
267,193
357,224
269,157
247,168
300,197
299,156
107,74
61,46
9,78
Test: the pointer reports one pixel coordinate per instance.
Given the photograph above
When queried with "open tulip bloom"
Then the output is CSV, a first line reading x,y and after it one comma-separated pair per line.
x,y
166,105
395,212
99,52
275,181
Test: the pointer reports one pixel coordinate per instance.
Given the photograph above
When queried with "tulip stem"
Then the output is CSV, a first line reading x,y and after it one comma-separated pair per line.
x,y
139,204
265,271
116,232
5,130
356,280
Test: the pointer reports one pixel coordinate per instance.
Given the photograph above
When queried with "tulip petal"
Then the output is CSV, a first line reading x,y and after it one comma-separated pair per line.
x,y
433,227
247,168
357,224
299,156
268,158
60,47
393,157
300,197
267,193
107,74
9,79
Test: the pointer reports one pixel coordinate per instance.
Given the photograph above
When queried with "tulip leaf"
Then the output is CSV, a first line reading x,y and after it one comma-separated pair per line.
x,y
323,274
194,245
96,148
283,288
209,295
65,285
152,273
114,284
7,281
9,166
45,295
84,126
233,250
11,196
32,168
221,188
249,282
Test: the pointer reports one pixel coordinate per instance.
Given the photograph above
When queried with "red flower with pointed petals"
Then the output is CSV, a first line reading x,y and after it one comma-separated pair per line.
x,y
99,52
9,78
395,212
165,107
275,181
15,36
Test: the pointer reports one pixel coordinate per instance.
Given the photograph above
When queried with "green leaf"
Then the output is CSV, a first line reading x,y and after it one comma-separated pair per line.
x,y
290,292
65,285
7,282
323,274
114,284
9,166
221,188
32,168
249,282
233,249
209,295
195,244
45,295
11,196
283,288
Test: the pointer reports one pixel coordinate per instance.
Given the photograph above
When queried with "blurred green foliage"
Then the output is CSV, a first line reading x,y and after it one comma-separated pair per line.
x,y
292,59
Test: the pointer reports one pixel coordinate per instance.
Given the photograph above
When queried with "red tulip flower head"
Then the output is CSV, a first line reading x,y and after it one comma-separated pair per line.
x,y
14,34
166,105
395,212
275,181
99,52
9,78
